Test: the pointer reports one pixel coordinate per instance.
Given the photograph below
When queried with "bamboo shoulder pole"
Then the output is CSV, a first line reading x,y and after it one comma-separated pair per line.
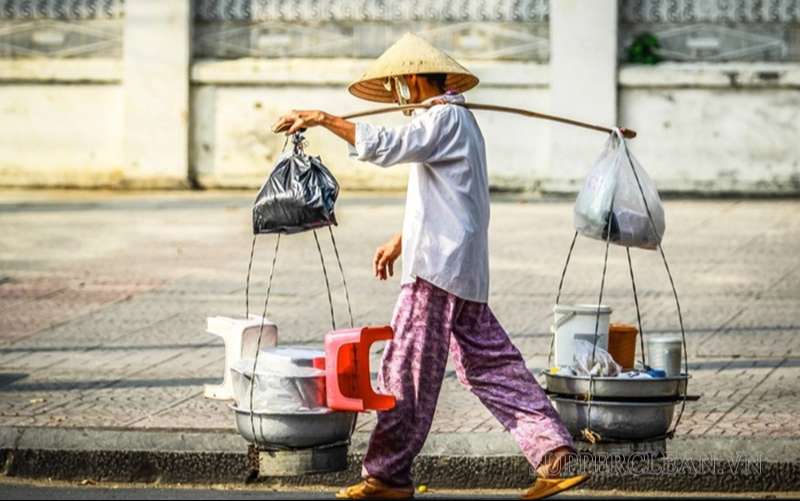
x,y
628,133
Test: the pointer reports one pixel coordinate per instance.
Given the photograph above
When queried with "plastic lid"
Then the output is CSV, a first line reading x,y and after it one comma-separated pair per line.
x,y
581,309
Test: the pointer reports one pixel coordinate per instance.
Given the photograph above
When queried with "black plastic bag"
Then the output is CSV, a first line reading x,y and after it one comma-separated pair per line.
x,y
299,195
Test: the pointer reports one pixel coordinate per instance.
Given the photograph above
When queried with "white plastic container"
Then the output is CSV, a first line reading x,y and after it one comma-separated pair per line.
x,y
577,320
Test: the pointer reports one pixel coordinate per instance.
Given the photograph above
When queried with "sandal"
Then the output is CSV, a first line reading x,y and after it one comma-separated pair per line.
x,y
546,487
372,488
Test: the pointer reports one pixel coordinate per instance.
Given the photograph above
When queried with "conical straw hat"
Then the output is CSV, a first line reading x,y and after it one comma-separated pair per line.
x,y
411,55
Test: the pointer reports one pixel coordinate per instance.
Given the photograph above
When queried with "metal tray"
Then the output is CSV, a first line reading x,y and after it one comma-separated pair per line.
x,y
612,387
617,420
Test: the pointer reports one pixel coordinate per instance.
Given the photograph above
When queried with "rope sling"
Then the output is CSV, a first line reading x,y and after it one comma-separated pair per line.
x,y
269,291
587,433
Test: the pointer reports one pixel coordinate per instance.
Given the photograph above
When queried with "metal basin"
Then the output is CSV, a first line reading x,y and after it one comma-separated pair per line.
x,y
295,430
617,420
616,388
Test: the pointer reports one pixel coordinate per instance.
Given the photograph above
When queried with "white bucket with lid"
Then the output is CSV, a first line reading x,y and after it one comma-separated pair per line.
x,y
577,320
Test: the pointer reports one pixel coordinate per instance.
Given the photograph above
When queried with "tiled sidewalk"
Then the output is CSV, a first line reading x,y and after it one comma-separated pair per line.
x,y
104,300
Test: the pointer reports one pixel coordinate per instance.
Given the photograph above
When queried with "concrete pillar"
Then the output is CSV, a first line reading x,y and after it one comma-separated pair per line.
x,y
583,84
157,52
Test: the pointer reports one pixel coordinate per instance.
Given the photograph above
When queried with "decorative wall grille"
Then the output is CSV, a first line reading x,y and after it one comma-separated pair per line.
x,y
715,30
61,28
480,29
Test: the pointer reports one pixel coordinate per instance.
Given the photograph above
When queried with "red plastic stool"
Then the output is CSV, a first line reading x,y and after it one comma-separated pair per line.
x,y
347,375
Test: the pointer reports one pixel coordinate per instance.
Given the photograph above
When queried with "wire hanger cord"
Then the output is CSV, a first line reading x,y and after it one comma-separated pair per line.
x,y
344,282
261,331
327,282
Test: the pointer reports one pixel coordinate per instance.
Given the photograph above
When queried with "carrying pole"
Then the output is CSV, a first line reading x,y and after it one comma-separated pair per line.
x,y
628,133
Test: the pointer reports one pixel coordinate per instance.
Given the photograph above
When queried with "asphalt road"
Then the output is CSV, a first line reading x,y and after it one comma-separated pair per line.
x,y
69,492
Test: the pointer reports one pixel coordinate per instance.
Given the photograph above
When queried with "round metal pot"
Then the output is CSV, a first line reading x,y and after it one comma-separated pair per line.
x,y
295,430
617,420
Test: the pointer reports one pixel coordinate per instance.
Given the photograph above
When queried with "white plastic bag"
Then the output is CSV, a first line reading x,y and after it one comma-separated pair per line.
x,y
285,383
611,200
604,364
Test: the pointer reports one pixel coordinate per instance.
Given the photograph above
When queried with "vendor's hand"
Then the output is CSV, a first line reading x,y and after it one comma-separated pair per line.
x,y
385,256
296,120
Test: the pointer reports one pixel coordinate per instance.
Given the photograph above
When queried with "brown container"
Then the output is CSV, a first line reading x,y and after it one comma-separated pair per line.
x,y
622,344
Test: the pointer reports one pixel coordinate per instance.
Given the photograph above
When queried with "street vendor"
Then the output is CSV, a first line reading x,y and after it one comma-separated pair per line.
x,y
442,306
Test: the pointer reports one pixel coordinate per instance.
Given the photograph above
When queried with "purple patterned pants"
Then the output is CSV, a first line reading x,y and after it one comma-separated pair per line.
x,y
428,322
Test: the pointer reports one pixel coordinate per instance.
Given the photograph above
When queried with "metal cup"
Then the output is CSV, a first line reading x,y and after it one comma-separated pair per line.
x,y
665,353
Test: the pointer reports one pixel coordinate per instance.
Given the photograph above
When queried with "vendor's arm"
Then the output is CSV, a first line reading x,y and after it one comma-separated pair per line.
x,y
413,142
296,120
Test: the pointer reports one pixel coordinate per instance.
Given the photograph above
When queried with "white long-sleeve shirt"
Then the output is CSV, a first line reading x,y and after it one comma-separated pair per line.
x,y
445,230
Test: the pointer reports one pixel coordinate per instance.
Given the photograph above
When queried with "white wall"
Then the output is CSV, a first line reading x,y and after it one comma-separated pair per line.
x,y
157,119
716,128
60,134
